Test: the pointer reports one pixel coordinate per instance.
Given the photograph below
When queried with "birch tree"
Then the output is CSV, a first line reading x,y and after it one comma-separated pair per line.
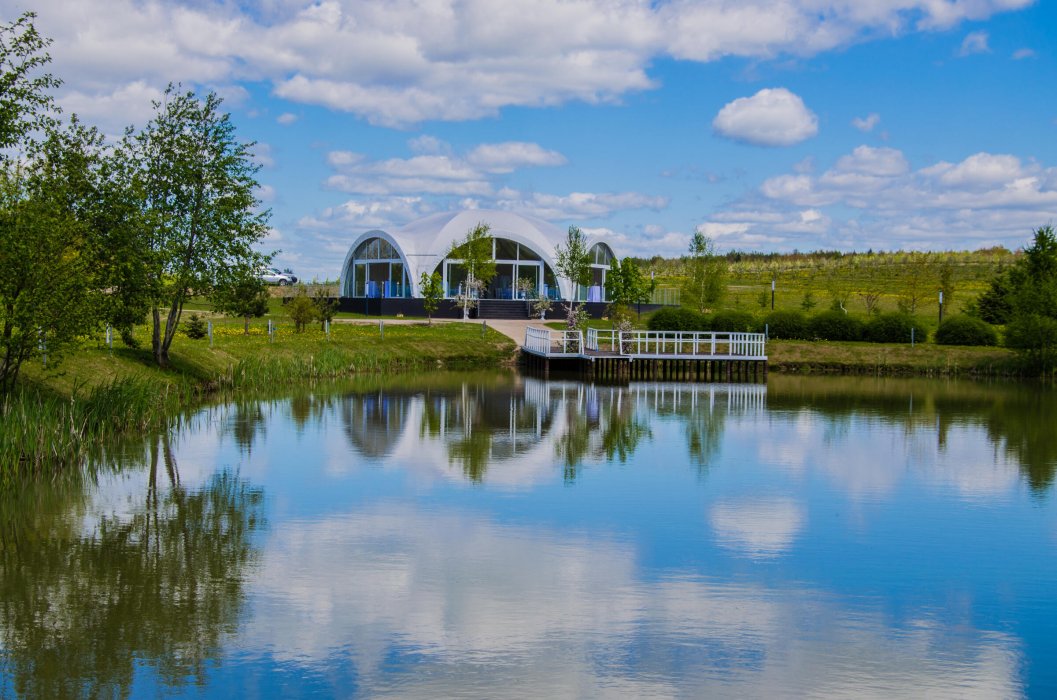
x,y
200,219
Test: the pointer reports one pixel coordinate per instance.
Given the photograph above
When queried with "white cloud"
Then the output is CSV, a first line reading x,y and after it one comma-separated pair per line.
x,y
262,153
402,62
116,108
286,118
429,145
866,123
771,117
1021,54
358,215
871,197
981,170
266,193
436,170
506,157
975,42
473,178
577,205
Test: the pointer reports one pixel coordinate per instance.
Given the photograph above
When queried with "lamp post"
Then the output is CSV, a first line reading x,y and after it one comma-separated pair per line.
x,y
941,306
772,294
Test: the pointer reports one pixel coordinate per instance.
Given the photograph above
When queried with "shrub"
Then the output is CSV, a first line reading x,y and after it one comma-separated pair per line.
x,y
966,330
129,339
1035,337
196,327
730,321
674,318
835,325
891,328
787,325
301,309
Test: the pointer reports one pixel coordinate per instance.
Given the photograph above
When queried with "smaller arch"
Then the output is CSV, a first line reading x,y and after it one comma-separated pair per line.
x,y
601,259
378,247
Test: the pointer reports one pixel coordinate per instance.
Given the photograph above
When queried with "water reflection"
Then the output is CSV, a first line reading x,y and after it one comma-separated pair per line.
x,y
481,609
950,416
88,595
517,537
472,427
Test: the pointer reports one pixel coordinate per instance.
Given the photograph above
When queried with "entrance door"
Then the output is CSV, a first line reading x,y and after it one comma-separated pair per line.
x,y
533,272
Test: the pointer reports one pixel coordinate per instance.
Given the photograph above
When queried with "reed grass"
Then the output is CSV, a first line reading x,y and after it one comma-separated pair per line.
x,y
60,419
42,434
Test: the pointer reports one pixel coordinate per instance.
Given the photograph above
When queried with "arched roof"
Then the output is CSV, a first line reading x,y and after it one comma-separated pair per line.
x,y
423,243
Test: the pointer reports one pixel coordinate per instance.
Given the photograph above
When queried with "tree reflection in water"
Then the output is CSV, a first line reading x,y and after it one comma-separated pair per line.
x,y
82,605
479,426
1018,418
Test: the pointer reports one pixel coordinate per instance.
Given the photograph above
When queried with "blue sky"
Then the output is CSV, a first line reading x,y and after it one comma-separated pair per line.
x,y
798,124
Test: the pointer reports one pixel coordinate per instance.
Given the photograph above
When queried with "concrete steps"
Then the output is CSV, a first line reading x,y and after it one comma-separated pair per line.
x,y
503,309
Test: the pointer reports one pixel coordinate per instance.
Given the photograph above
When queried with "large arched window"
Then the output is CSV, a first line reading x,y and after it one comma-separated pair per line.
x,y
521,273
377,270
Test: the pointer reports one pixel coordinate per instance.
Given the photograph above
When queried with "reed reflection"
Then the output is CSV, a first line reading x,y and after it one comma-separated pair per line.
x,y
87,596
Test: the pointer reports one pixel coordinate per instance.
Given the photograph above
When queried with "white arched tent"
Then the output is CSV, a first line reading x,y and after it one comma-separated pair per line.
x,y
389,263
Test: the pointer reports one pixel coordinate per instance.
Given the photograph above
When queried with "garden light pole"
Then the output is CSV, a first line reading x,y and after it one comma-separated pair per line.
x,y
772,294
941,306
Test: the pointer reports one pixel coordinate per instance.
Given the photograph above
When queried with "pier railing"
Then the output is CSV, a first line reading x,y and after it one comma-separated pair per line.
x,y
700,345
681,345
602,340
552,343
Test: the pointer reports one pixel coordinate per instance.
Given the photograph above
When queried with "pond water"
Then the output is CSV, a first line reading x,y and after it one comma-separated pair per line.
x,y
504,536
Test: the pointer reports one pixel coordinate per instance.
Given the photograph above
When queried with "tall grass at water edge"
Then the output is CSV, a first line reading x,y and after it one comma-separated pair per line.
x,y
54,422
42,434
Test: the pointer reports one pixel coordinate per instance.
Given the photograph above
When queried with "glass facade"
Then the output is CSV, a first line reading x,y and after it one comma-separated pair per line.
x,y
520,273
377,270
601,257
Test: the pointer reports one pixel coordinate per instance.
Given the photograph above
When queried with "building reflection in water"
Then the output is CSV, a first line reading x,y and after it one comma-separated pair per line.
x,y
476,427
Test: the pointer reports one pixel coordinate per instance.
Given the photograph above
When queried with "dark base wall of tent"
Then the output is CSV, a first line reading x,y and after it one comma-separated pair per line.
x,y
490,308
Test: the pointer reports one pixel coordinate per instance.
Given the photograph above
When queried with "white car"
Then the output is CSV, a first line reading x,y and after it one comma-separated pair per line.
x,y
270,275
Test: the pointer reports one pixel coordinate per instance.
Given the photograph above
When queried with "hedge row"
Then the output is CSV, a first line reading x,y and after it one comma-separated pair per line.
x,y
828,325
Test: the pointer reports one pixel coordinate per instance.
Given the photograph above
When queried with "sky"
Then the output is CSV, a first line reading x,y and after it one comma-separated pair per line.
x,y
768,126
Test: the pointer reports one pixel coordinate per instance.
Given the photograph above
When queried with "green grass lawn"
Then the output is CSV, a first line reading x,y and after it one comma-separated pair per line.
x,y
350,349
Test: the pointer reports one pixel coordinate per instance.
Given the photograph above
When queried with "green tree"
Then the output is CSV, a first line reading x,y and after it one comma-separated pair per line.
x,y
326,306
474,253
1032,328
626,284
26,106
199,218
573,262
705,274
301,309
431,289
47,286
245,298
44,249
915,281
873,284
995,305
